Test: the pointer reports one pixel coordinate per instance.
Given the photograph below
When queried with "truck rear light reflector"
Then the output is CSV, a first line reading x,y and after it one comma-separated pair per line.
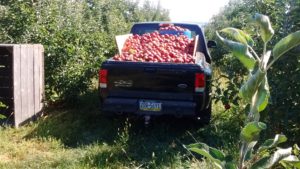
x,y
199,82
103,78
103,85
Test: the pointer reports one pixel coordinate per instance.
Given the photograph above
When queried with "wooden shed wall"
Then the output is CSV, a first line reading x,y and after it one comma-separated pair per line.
x,y
28,81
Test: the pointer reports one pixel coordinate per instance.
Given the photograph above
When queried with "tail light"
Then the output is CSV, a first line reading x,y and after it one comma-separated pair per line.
x,y
103,78
199,82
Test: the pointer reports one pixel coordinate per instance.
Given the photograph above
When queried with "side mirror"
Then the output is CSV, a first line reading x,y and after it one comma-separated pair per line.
x,y
212,44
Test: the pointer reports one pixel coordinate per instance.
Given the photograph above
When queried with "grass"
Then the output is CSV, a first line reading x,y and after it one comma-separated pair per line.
x,y
80,137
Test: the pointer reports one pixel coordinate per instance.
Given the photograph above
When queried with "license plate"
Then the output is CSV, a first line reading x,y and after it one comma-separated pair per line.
x,y
148,105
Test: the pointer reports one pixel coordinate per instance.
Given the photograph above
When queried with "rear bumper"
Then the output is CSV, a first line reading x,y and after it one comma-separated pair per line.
x,y
131,106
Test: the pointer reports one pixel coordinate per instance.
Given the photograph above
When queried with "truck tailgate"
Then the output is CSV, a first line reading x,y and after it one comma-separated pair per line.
x,y
151,80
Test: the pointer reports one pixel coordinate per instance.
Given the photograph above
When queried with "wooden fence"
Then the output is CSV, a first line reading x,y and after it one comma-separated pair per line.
x,y
21,81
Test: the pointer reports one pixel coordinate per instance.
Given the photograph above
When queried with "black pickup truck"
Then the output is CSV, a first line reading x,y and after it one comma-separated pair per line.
x,y
151,89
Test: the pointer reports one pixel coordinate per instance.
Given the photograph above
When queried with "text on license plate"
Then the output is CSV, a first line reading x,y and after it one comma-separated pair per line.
x,y
150,105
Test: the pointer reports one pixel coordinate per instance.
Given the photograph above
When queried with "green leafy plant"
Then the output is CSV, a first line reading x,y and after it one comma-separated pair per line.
x,y
77,36
283,107
255,94
1,107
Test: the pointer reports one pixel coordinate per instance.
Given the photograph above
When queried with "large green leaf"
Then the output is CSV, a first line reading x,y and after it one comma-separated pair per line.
x,y
266,30
239,35
292,161
216,153
249,151
249,88
271,143
263,95
230,165
205,153
296,150
286,44
269,161
240,51
213,152
252,130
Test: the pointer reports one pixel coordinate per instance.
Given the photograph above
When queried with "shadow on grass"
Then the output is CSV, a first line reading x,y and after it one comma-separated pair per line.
x,y
132,144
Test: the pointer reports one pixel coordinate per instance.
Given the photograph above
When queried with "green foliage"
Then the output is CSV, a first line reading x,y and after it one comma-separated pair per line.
x,y
255,93
240,51
263,95
239,36
249,151
252,130
270,160
286,44
272,143
216,156
249,88
266,30
77,36
282,113
291,162
2,106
